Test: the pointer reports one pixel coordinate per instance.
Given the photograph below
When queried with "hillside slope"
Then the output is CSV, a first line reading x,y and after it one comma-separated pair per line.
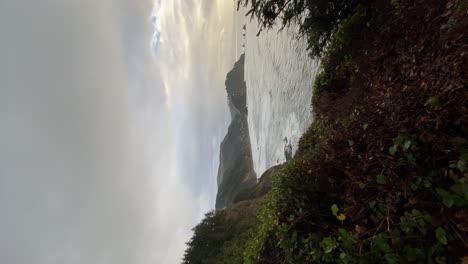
x,y
235,172
381,176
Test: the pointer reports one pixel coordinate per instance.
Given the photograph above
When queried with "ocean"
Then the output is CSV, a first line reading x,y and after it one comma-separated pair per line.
x,y
279,75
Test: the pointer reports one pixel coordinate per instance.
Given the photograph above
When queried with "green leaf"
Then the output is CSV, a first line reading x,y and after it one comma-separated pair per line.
x,y
411,158
427,183
379,242
365,126
343,255
461,165
460,188
381,179
427,218
407,145
441,236
464,153
399,140
448,201
347,240
341,217
416,212
391,258
294,236
328,244
414,186
393,149
434,102
447,198
414,255
334,209
459,141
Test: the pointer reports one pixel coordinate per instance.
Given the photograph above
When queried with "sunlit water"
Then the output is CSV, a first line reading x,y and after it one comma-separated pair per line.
x,y
279,76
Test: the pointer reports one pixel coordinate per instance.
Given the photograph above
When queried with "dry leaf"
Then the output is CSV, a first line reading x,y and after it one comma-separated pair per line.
x,y
464,260
360,230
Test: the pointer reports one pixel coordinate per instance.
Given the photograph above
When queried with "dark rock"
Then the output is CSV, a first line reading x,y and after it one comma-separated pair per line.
x,y
261,188
235,172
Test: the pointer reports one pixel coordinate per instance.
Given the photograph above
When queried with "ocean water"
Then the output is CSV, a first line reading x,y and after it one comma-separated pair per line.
x,y
279,76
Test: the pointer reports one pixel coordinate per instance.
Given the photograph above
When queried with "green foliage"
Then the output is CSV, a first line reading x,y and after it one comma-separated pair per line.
x,y
381,179
234,251
208,238
335,210
315,137
322,81
424,180
318,19
456,196
410,241
381,249
338,68
216,239
378,208
462,163
405,144
415,221
328,244
400,6
413,254
434,102
441,236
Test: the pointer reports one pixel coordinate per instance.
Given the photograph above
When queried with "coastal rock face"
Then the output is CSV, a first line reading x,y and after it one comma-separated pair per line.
x,y
237,89
235,172
263,186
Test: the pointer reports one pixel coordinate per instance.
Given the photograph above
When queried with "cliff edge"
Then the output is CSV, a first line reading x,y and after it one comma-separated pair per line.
x,y
235,172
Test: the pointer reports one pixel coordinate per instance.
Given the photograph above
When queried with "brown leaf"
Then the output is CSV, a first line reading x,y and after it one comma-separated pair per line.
x,y
464,260
455,36
360,230
461,217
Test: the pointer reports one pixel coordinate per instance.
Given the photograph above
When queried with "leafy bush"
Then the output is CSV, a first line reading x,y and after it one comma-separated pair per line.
x,y
208,238
338,69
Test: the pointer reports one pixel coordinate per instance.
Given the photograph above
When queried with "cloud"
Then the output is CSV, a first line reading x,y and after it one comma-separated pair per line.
x,y
72,184
107,154
192,63
156,40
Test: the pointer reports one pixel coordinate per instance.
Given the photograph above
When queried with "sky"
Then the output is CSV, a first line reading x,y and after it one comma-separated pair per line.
x,y
112,113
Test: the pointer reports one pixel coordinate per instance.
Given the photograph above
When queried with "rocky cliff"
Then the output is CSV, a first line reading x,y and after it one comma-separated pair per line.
x,y
235,172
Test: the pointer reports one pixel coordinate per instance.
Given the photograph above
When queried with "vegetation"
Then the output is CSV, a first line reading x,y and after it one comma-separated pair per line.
x,y
208,238
381,176
221,236
317,19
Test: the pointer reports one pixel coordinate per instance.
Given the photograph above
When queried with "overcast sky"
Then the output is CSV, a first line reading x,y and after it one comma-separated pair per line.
x,y
111,115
